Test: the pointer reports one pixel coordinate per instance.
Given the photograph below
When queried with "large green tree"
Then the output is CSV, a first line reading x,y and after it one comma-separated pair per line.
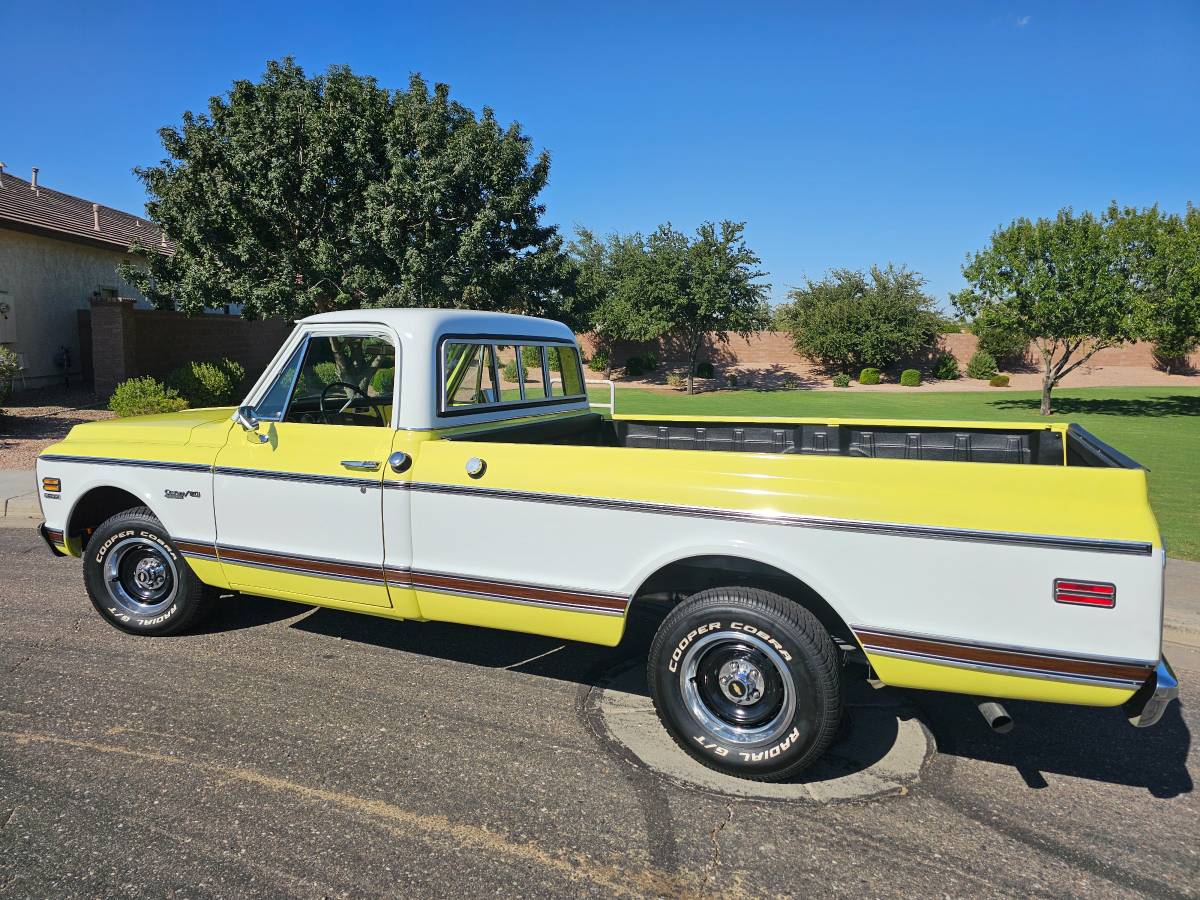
x,y
295,195
850,319
1067,282
607,291
1164,254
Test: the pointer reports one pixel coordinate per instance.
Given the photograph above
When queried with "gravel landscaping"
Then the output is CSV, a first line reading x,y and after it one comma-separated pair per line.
x,y
33,420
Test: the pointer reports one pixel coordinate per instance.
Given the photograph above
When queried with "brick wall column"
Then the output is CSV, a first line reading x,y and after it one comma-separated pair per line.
x,y
114,343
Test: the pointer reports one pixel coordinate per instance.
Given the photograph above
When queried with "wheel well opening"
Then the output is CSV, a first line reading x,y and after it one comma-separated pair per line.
x,y
685,577
94,507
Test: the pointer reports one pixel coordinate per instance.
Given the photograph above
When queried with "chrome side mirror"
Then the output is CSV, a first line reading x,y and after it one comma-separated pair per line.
x,y
246,418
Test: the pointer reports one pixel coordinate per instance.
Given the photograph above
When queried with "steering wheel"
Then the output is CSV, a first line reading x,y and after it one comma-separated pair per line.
x,y
325,413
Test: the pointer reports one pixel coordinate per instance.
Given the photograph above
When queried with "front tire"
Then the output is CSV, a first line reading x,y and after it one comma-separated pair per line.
x,y
747,682
137,579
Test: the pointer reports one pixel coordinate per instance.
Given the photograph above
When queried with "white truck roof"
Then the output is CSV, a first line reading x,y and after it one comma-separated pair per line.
x,y
421,333
430,324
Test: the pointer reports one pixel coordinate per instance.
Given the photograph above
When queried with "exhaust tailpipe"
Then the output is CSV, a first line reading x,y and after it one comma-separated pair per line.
x,y
996,716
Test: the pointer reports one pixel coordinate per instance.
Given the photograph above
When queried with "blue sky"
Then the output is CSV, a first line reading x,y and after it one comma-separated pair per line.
x,y
901,132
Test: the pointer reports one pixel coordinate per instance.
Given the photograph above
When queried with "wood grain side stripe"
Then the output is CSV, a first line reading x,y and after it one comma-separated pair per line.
x,y
584,601
560,598
1033,662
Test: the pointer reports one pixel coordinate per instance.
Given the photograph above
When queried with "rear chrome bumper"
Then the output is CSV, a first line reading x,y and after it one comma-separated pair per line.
x,y
1146,707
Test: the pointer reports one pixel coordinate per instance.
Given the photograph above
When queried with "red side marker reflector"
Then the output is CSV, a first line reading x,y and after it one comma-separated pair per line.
x,y
1085,593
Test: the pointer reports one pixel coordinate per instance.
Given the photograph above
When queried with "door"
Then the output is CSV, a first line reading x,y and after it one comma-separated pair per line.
x,y
298,502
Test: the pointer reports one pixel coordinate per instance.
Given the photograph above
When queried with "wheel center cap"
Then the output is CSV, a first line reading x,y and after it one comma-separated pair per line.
x,y
741,682
150,574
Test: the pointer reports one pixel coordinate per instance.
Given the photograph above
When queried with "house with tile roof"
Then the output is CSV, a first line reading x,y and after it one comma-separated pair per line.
x,y
58,253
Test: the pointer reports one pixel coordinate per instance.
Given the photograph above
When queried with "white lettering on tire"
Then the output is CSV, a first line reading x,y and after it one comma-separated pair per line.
x,y
677,653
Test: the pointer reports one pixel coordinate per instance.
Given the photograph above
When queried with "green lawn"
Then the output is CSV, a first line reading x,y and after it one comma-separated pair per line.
x,y
1159,427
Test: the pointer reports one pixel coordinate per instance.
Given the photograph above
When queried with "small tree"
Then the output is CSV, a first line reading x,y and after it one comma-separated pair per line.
x,y
295,195
1063,281
849,320
701,286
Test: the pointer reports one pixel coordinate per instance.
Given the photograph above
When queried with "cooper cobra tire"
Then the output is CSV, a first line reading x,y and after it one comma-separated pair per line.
x,y
137,579
747,682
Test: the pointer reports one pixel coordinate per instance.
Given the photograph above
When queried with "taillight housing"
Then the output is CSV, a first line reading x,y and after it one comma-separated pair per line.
x,y
1085,593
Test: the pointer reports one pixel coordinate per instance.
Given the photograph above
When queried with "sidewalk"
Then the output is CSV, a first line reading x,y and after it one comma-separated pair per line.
x,y
18,494
19,509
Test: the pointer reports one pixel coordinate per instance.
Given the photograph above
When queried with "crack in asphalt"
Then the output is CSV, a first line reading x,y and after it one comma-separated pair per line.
x,y
715,836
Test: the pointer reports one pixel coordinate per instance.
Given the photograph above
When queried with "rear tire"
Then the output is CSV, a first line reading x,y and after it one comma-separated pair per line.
x,y
138,580
747,682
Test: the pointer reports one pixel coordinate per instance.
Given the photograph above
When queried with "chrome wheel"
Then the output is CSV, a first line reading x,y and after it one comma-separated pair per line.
x,y
738,687
140,576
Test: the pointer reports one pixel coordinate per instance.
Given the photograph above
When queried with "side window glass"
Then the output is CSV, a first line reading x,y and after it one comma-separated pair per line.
x,y
270,407
469,373
344,380
531,363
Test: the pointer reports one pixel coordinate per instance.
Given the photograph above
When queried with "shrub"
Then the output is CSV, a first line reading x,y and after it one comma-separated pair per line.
x,y
704,369
981,365
10,367
946,367
841,380
326,372
675,380
1003,342
144,396
599,360
634,366
868,376
383,381
206,383
650,362
999,381
731,379
910,378
1171,356
510,371
849,319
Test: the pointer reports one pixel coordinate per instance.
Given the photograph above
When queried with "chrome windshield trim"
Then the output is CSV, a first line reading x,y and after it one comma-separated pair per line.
x,y
1134,548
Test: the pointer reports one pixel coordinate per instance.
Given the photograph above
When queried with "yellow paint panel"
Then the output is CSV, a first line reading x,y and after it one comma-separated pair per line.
x,y
928,676
336,592
209,571
1105,504
558,623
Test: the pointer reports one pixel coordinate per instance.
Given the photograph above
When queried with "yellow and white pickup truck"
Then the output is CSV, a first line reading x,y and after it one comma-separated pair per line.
x,y
383,464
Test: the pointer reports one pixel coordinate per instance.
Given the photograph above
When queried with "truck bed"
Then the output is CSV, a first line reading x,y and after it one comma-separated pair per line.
x,y
977,442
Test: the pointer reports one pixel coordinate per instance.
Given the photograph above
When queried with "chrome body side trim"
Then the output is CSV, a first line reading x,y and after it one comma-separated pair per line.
x,y
136,463
342,480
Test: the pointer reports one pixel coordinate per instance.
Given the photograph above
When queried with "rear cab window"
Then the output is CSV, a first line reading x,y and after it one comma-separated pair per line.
x,y
478,376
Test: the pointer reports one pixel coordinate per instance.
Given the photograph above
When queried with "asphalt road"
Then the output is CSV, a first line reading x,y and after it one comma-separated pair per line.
x,y
292,751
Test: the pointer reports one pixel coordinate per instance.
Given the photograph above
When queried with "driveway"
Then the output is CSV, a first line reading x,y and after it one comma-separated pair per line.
x,y
288,750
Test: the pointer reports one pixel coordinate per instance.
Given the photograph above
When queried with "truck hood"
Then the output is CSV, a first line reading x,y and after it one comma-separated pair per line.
x,y
166,428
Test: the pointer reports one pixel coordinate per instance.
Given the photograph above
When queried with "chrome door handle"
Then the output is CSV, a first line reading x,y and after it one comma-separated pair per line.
x,y
360,465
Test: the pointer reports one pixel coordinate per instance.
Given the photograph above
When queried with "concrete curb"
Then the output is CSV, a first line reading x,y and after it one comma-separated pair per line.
x,y
18,494
880,750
